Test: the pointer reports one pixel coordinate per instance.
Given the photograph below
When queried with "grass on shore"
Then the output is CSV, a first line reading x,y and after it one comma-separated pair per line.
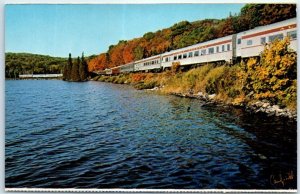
x,y
273,78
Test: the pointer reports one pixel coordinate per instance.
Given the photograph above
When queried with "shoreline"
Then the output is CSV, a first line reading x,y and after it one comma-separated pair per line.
x,y
253,107
258,107
33,78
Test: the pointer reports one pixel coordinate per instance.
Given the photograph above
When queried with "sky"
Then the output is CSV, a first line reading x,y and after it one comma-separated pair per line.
x,y
59,29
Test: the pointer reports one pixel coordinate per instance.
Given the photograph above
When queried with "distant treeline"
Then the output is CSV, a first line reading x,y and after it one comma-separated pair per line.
x,y
26,63
76,70
186,33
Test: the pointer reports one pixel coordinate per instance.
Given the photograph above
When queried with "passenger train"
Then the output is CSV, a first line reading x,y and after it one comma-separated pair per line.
x,y
230,48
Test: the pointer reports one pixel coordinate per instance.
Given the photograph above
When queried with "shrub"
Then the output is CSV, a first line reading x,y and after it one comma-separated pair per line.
x,y
273,77
175,67
213,78
137,77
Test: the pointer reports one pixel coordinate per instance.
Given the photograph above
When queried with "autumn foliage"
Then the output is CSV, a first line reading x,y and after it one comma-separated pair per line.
x,y
98,63
184,33
274,77
271,78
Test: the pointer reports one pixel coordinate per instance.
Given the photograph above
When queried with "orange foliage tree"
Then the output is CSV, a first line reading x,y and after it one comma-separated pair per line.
x,y
98,63
187,33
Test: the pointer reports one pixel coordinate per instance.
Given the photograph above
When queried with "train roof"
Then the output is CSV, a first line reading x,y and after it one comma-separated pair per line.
x,y
274,25
198,45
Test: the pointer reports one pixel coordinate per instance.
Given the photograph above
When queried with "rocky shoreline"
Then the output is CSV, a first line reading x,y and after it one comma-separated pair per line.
x,y
257,107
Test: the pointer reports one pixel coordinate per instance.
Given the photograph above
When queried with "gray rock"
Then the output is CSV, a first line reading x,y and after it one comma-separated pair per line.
x,y
212,96
265,105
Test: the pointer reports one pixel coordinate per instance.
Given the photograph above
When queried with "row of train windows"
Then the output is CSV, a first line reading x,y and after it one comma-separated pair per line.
x,y
151,63
263,40
202,52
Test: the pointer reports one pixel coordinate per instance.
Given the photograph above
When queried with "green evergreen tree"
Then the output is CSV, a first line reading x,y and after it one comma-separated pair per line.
x,y
75,71
83,69
68,69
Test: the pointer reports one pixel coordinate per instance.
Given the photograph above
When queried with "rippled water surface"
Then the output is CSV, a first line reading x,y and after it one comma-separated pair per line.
x,y
98,135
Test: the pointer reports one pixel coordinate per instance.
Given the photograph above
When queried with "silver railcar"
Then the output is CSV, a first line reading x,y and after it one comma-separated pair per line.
x,y
150,63
129,67
245,44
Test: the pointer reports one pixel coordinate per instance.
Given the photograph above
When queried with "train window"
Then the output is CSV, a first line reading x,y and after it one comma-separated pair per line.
x,y
179,56
262,40
203,52
196,53
249,42
223,48
175,58
190,54
153,62
167,59
217,48
239,41
228,47
276,36
210,50
184,55
292,34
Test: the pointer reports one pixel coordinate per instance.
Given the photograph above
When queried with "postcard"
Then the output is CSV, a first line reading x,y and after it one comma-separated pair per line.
x,y
166,97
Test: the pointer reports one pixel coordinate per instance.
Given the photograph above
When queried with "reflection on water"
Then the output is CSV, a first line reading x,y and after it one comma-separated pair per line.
x,y
98,135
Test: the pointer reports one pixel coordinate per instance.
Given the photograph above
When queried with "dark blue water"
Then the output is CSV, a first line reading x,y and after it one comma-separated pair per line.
x,y
98,135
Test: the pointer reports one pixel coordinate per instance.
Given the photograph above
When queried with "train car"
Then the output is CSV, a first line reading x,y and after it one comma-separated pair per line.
x,y
115,70
129,67
245,44
214,50
108,71
147,64
251,42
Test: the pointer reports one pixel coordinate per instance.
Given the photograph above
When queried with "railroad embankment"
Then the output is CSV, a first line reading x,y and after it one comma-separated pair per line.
x,y
211,84
264,85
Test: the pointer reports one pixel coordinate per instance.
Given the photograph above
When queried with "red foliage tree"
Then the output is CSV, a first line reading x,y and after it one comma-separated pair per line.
x,y
98,63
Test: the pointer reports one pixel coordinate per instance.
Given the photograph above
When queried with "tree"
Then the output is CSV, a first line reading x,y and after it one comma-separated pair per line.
x,y
75,71
83,71
186,33
138,53
98,63
26,63
67,69
274,77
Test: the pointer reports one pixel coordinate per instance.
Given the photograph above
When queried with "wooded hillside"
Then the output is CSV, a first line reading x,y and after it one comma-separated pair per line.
x,y
186,33
26,63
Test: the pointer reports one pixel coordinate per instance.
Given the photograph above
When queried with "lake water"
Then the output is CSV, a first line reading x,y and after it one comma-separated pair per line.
x,y
99,135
